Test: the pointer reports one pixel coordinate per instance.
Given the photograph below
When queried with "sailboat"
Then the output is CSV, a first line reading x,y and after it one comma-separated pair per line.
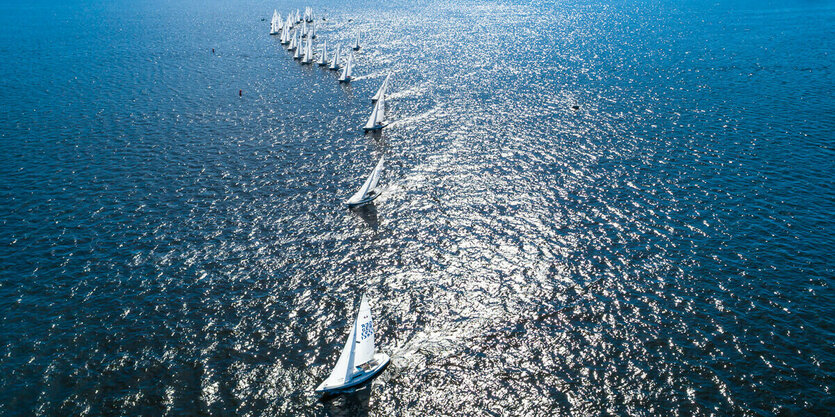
x,y
368,192
304,29
359,361
335,61
299,47
356,46
275,23
375,121
346,71
285,35
323,59
382,91
308,52
312,30
293,43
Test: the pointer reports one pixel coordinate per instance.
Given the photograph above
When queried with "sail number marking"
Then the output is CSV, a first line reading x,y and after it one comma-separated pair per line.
x,y
367,330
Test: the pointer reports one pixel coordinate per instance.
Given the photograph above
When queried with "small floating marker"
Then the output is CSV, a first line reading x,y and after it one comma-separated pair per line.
x,y
240,93
213,50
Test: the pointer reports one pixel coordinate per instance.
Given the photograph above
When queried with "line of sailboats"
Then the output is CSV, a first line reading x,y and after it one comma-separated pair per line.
x,y
359,361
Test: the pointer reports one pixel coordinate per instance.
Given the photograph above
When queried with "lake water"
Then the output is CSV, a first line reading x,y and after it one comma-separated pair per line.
x,y
168,247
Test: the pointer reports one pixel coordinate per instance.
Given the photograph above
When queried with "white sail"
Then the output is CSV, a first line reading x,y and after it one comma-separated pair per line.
x,y
335,61
382,91
278,20
344,369
369,185
299,46
346,72
275,23
377,115
381,111
308,52
312,29
364,350
357,42
323,60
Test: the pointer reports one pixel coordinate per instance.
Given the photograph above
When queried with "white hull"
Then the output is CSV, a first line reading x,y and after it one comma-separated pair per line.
x,y
360,378
375,127
368,198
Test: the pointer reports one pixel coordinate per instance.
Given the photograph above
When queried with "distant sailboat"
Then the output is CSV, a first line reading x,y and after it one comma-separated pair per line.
x,y
285,35
275,23
359,361
335,60
308,52
356,46
382,91
368,192
312,30
299,47
293,43
347,70
375,120
323,59
304,29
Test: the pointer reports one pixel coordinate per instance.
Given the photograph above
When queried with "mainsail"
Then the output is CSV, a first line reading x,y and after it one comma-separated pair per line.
x,y
346,72
375,120
382,91
323,58
335,61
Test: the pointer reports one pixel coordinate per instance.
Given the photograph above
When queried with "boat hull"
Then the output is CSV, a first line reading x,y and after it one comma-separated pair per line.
x,y
347,80
364,201
371,129
360,379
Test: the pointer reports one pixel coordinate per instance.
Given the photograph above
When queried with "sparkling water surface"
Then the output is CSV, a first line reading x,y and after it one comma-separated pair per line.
x,y
168,247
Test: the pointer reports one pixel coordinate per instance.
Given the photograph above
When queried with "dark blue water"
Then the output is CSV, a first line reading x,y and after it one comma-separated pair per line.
x,y
170,248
